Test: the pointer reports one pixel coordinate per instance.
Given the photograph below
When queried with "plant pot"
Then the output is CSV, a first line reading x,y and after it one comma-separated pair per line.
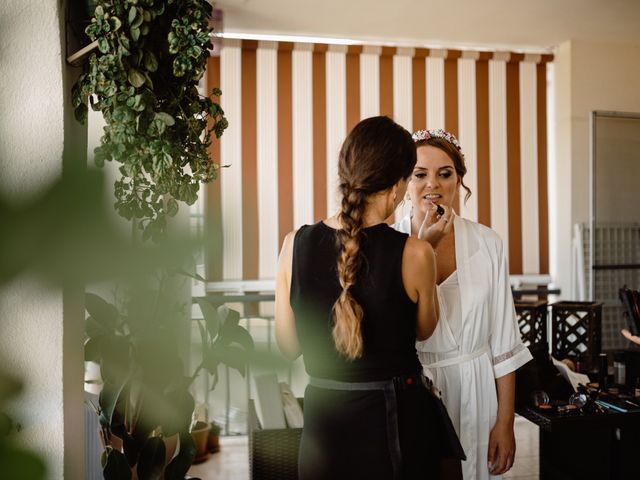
x,y
200,435
213,443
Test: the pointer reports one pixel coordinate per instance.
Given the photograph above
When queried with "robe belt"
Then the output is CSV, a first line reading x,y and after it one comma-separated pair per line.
x,y
467,357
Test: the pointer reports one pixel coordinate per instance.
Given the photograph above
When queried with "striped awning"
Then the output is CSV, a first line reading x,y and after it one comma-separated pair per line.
x,y
290,106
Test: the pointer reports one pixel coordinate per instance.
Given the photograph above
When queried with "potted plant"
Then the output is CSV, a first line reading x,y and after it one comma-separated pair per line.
x,y
200,434
213,443
145,399
144,80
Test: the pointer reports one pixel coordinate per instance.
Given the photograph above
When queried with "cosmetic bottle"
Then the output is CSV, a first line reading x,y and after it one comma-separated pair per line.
x,y
619,370
579,363
603,371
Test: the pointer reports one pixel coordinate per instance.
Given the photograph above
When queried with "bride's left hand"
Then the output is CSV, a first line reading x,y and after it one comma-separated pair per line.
x,y
502,449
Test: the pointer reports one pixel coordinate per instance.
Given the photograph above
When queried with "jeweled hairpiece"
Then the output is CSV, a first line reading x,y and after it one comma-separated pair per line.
x,y
421,135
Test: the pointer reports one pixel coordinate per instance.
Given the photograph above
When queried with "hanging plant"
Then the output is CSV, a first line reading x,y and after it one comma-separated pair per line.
x,y
144,79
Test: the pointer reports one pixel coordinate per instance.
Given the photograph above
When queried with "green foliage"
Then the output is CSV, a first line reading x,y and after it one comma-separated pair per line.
x,y
179,466
115,465
145,395
143,79
64,236
15,461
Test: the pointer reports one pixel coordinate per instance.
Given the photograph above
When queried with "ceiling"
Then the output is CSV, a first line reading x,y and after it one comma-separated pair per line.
x,y
521,25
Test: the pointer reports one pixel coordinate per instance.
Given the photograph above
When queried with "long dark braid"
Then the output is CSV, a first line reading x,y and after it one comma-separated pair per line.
x,y
376,155
347,334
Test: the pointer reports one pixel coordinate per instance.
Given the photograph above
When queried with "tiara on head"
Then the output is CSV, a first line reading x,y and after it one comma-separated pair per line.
x,y
421,135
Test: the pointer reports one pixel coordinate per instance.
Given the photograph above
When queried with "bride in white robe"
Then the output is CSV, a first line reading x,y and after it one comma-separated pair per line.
x,y
476,347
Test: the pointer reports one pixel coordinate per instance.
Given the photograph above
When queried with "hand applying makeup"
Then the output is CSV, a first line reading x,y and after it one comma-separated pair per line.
x,y
435,225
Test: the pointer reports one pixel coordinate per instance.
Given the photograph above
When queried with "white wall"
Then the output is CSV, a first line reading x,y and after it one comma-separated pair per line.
x,y
589,76
617,168
33,341
605,77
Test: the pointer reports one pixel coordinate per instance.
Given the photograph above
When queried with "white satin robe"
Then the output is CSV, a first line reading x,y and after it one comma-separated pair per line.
x,y
483,345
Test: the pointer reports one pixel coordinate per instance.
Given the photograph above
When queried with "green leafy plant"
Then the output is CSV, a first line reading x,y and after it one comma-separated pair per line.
x,y
144,80
145,396
215,429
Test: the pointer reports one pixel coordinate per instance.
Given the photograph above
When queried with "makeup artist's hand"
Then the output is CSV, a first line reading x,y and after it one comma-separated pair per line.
x,y
629,336
434,227
502,448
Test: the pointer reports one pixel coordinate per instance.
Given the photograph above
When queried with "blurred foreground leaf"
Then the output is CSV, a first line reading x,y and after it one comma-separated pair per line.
x,y
116,466
151,462
15,462
66,235
18,463
9,387
179,466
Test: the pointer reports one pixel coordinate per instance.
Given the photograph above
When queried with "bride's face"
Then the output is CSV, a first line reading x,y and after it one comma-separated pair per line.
x,y
434,179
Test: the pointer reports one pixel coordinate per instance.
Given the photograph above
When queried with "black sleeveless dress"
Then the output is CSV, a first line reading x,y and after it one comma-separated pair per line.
x,y
370,418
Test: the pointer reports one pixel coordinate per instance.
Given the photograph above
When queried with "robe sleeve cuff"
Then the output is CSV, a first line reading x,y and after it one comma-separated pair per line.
x,y
510,361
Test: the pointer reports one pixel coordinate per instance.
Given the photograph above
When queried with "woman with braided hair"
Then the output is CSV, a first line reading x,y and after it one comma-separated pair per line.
x,y
476,348
352,297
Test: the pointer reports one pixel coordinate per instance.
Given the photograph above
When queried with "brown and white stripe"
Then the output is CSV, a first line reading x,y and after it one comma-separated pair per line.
x,y
290,106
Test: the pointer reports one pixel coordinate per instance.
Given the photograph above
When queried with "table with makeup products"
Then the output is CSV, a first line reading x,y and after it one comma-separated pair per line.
x,y
589,443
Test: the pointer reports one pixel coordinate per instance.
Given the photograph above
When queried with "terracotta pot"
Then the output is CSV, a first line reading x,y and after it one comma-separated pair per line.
x,y
200,435
213,443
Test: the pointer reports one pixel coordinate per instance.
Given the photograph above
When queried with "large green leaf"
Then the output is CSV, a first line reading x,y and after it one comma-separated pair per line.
x,y
211,317
102,316
141,432
179,466
115,354
234,357
229,317
20,464
116,467
203,335
92,349
180,405
240,336
151,460
210,359
108,398
230,331
131,448
93,328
